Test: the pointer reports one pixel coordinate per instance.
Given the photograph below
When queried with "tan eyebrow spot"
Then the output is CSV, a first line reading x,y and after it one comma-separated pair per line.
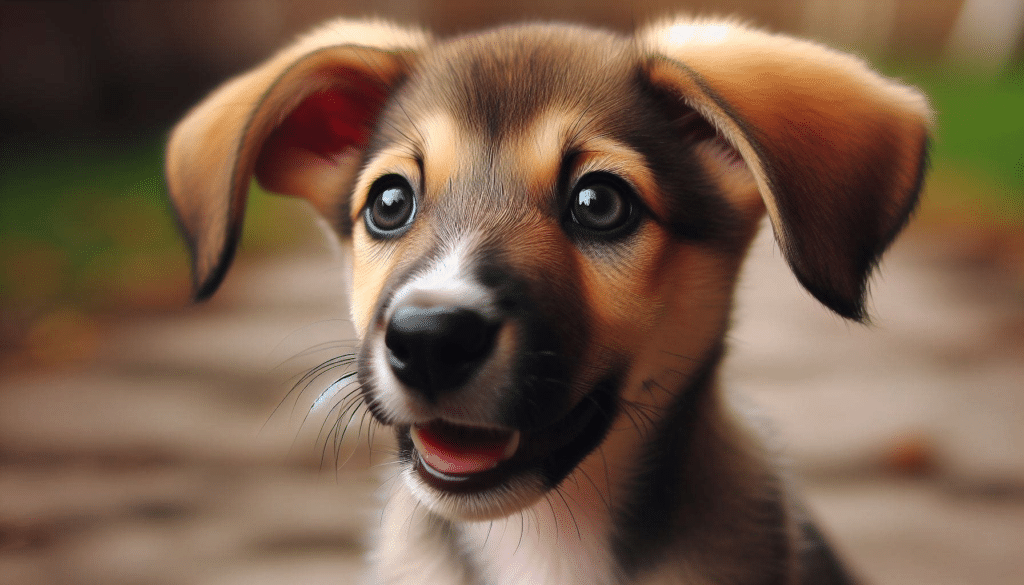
x,y
540,148
444,150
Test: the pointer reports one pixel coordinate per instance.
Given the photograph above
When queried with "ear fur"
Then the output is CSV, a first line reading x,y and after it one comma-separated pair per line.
x,y
838,151
299,122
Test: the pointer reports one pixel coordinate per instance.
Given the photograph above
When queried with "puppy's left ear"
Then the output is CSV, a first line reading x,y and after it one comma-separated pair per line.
x,y
837,151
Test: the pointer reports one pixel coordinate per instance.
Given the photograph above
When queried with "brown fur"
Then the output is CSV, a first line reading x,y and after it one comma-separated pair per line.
x,y
607,346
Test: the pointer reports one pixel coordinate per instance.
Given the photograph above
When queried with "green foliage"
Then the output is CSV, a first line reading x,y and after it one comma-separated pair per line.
x,y
979,131
89,224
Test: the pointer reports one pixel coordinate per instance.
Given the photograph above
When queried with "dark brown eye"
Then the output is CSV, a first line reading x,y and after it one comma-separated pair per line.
x,y
390,207
601,203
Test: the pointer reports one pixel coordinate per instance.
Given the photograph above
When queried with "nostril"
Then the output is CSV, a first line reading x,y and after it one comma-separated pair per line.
x,y
437,348
399,335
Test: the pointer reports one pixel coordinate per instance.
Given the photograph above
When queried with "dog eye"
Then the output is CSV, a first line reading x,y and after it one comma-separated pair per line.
x,y
601,203
390,206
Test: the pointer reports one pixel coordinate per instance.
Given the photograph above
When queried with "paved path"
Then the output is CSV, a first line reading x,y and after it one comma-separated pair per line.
x,y
165,461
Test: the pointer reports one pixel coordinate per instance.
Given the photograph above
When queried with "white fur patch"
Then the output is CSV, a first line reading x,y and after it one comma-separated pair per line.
x,y
444,282
562,538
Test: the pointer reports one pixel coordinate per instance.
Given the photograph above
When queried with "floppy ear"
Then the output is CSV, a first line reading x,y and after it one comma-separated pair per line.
x,y
837,151
299,122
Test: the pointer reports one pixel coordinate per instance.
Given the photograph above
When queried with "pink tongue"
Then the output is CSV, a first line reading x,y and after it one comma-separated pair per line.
x,y
460,450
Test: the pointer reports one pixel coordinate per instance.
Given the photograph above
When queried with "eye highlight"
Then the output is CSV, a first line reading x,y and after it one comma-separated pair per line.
x,y
602,204
390,207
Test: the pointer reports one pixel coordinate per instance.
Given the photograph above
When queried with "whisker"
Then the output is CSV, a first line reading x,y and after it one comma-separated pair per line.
x,y
306,380
572,516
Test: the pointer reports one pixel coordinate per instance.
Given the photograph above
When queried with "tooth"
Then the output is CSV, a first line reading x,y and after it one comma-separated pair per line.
x,y
511,446
414,433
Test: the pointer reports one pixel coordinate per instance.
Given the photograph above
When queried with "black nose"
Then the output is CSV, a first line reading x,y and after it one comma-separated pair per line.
x,y
435,349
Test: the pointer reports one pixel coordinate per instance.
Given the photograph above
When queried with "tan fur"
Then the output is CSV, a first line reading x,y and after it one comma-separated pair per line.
x,y
804,97
701,127
234,121
445,146
539,149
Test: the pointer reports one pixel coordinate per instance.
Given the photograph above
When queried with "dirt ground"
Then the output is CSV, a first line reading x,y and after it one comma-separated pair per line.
x,y
185,453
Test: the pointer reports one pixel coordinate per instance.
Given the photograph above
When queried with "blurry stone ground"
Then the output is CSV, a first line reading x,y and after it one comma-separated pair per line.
x,y
162,459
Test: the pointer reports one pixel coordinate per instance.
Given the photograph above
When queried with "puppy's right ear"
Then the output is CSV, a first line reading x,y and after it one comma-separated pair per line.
x,y
298,122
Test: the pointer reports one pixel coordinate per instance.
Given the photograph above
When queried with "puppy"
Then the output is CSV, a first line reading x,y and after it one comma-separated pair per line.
x,y
546,224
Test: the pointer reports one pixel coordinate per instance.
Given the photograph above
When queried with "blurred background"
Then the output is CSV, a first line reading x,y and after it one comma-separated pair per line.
x,y
141,438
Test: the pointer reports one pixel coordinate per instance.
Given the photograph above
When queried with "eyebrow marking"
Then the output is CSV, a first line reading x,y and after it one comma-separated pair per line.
x,y
446,147
542,146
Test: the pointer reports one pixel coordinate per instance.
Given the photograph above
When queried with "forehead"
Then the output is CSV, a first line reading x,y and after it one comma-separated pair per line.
x,y
494,85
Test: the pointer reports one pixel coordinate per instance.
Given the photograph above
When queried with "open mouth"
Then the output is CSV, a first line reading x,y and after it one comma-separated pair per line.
x,y
455,450
459,458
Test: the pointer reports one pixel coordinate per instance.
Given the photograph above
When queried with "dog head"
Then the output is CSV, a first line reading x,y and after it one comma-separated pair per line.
x,y
547,221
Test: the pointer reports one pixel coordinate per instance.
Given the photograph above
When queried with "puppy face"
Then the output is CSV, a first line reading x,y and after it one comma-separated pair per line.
x,y
577,223
547,222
